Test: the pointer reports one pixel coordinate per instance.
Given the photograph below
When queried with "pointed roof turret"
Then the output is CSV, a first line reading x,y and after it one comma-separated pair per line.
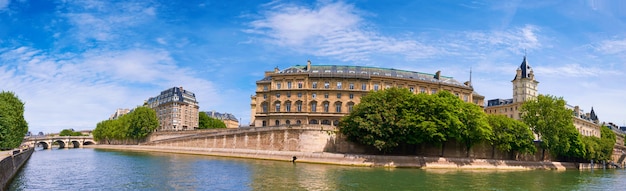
x,y
593,115
526,70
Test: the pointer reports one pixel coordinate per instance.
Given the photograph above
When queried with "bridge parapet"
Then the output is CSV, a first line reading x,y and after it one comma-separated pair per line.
x,y
63,141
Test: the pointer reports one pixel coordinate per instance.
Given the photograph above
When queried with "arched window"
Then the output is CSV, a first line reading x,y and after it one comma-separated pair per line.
x,y
277,109
298,106
264,123
338,107
326,106
288,106
277,122
313,122
288,122
298,122
313,106
350,106
325,122
264,105
336,122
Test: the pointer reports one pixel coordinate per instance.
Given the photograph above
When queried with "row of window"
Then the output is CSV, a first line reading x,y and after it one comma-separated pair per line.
x,y
313,95
313,106
298,122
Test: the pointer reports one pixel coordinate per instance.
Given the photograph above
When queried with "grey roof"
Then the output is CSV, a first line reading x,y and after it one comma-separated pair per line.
x,y
365,71
496,102
221,116
526,69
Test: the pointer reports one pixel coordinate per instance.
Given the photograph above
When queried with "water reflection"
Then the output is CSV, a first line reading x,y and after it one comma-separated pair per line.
x,y
92,169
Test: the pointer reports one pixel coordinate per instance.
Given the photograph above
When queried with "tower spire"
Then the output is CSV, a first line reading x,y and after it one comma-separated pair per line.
x,y
470,80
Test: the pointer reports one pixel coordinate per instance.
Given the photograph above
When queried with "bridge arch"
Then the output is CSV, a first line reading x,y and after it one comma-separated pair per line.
x,y
44,144
89,142
60,142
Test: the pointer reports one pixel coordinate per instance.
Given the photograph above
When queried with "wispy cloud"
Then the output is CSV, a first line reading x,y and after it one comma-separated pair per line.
x,y
4,4
79,90
335,29
616,46
105,21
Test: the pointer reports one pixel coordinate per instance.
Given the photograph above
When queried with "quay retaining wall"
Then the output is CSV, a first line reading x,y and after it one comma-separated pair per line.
x,y
11,163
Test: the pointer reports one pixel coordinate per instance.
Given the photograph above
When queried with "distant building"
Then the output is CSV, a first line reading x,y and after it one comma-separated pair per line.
x,y
118,113
229,119
176,109
524,89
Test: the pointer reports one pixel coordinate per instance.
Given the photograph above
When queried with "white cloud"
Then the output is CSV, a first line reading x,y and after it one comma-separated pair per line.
x,y
4,4
612,46
334,29
77,91
104,21
573,71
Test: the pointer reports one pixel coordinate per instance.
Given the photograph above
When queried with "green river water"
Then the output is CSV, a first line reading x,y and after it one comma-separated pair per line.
x,y
95,169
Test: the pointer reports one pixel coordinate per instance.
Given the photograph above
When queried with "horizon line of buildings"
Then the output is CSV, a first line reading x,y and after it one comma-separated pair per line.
x,y
322,94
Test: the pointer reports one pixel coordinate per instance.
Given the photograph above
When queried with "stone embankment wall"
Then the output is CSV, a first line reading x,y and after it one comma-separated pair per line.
x,y
315,138
11,163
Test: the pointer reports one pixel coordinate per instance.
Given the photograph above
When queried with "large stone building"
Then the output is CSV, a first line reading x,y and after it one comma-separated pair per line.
x,y
118,113
524,89
322,94
229,119
176,109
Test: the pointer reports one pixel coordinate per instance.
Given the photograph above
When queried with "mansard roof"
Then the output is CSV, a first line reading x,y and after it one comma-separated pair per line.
x,y
339,70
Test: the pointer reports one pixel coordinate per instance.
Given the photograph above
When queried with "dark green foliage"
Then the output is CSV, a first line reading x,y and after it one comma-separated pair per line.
x,y
600,148
134,125
552,122
69,132
394,116
511,135
13,126
206,122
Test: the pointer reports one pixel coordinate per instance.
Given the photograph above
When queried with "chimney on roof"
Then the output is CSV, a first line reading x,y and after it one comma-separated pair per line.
x,y
577,111
437,75
276,69
308,65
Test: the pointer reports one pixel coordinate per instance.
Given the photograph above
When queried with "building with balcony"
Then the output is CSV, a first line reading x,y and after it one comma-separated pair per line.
x,y
524,89
176,109
322,94
229,119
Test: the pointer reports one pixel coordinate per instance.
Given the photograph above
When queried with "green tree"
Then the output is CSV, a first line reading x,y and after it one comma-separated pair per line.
x,y
469,122
141,122
511,135
13,126
380,120
133,126
552,122
206,122
606,143
69,132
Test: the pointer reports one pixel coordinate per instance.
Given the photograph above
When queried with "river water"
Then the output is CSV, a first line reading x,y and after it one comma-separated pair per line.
x,y
96,169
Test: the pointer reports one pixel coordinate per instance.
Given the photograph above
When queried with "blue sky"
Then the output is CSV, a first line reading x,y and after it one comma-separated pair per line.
x,y
74,62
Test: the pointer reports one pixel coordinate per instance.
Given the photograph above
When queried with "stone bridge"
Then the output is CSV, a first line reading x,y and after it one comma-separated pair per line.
x,y
62,141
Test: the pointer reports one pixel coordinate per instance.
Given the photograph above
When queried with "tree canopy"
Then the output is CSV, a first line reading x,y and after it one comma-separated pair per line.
x,y
13,126
206,122
69,132
511,135
548,117
134,125
385,119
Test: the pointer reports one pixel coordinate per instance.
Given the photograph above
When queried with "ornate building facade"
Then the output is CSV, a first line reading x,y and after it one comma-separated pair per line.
x,y
322,94
524,89
176,109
